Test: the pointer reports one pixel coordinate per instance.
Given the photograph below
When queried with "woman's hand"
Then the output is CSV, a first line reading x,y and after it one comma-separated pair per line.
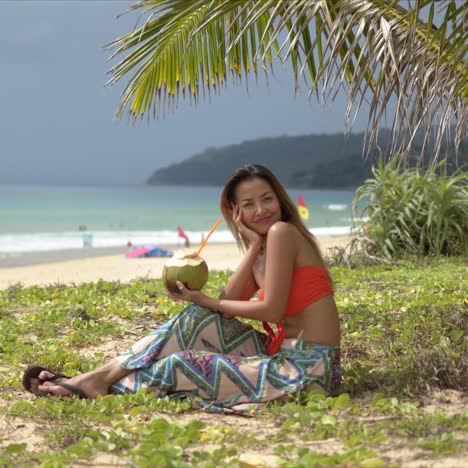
x,y
197,297
226,316
248,234
188,295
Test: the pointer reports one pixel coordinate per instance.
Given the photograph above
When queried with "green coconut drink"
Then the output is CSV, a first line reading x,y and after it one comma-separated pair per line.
x,y
192,271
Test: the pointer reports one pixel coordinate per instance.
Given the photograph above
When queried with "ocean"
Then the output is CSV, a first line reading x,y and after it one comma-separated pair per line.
x,y
37,218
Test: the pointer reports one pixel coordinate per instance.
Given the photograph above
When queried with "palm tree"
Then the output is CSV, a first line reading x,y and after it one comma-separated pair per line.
x,y
375,50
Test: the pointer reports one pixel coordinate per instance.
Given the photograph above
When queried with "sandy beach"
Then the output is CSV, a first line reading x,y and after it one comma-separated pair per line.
x,y
86,265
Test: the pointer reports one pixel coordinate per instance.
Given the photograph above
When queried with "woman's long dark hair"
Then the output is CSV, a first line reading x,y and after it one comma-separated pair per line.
x,y
289,211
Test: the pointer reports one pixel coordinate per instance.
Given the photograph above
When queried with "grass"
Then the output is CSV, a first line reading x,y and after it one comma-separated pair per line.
x,y
404,345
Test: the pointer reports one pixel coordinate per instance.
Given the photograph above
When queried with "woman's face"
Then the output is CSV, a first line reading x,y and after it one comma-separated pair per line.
x,y
258,204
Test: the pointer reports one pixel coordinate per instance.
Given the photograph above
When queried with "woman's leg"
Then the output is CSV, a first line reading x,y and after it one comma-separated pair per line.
x,y
225,382
193,328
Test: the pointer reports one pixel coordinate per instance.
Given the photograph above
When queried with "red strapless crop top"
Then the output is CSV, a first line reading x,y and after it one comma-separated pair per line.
x,y
309,284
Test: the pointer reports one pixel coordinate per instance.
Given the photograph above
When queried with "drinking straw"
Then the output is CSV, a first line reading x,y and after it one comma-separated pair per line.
x,y
208,236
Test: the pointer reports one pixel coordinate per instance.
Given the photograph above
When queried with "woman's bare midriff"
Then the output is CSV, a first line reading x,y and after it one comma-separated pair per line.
x,y
318,323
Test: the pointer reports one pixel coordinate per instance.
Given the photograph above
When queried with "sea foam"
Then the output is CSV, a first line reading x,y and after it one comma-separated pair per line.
x,y
46,241
336,207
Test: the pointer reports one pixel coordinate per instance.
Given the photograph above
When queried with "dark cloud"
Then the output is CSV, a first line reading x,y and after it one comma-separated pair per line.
x,y
57,121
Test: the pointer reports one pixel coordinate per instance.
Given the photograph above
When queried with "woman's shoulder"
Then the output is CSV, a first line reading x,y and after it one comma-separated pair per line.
x,y
284,231
283,242
283,227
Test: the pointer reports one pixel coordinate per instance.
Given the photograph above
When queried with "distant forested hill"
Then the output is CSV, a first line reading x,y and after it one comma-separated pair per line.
x,y
311,161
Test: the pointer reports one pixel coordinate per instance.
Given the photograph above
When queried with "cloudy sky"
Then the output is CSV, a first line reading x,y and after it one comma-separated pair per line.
x,y
58,124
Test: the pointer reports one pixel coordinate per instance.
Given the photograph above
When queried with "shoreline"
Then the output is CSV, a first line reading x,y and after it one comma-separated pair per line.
x,y
75,266
20,259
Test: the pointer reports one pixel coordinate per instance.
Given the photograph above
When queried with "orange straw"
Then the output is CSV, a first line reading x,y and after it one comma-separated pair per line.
x,y
208,236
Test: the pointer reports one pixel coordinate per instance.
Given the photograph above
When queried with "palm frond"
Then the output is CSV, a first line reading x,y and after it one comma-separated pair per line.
x,y
376,50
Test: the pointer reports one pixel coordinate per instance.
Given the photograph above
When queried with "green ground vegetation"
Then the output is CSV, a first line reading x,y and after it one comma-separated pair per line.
x,y
404,338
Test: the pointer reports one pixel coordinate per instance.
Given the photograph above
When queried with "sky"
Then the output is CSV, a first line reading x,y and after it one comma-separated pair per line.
x,y
58,123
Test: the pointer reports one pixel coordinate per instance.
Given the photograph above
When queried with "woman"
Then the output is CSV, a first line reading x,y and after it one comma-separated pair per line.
x,y
205,353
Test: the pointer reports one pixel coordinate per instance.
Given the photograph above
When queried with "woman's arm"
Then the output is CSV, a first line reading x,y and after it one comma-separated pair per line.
x,y
242,284
281,252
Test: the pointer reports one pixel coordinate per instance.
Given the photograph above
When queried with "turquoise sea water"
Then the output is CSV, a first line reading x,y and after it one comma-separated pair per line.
x,y
46,217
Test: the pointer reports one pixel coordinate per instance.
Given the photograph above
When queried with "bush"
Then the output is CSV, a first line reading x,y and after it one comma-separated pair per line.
x,y
413,211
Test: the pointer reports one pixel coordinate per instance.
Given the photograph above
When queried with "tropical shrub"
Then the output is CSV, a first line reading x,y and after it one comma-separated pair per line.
x,y
413,211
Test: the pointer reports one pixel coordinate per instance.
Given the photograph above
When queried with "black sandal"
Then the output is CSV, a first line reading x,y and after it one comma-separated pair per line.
x,y
33,373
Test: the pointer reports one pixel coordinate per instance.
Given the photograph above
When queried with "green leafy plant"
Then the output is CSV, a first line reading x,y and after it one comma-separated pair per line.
x,y
413,211
382,49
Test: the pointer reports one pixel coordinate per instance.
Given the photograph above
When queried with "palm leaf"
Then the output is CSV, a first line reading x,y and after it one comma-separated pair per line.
x,y
376,50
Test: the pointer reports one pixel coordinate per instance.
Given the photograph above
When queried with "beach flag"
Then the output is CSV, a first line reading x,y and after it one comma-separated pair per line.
x,y
181,233
302,208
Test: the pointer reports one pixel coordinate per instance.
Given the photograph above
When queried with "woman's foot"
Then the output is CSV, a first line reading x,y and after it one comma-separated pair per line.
x,y
37,375
88,385
84,385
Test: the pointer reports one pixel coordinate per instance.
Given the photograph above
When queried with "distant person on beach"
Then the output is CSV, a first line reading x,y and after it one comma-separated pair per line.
x,y
205,353
87,238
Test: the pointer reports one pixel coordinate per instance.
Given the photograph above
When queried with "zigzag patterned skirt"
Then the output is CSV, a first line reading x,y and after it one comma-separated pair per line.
x,y
222,365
